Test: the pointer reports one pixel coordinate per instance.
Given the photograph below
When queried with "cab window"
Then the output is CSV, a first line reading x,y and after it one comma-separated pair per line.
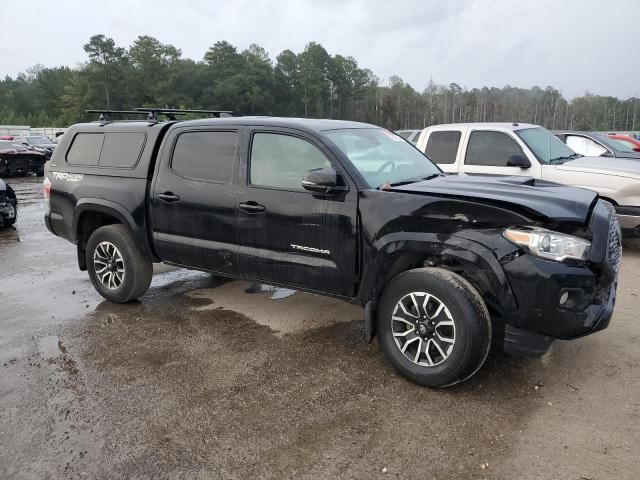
x,y
491,149
205,156
280,161
442,146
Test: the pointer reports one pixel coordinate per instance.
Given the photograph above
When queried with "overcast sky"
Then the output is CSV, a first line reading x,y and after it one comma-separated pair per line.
x,y
573,45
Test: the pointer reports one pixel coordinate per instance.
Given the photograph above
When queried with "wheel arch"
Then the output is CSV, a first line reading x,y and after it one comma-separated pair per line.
x,y
93,213
471,260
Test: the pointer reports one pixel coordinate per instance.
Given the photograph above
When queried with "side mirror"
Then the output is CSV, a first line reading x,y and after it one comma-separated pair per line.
x,y
320,180
518,161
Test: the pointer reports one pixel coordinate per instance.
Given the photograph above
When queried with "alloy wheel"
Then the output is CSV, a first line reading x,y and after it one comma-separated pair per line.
x,y
423,329
108,265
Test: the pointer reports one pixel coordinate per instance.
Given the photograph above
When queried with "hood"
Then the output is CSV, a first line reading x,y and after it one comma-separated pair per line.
x,y
622,167
550,200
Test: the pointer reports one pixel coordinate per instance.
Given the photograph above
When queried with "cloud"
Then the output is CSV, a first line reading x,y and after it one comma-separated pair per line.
x,y
572,45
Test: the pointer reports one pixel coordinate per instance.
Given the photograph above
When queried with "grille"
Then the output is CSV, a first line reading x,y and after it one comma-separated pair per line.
x,y
614,249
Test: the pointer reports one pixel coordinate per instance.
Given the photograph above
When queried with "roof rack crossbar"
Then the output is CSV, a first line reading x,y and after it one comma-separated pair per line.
x,y
153,113
170,112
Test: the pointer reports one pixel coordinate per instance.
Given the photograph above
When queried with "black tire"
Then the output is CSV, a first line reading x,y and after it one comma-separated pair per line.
x,y
137,269
471,327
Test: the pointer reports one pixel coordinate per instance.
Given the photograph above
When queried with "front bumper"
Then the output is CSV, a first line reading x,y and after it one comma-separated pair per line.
x,y
560,301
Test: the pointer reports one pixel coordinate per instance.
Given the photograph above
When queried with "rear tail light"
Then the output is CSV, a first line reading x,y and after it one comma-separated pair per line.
x,y
46,190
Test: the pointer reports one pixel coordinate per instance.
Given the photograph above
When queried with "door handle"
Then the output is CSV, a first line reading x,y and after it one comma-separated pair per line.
x,y
168,197
251,207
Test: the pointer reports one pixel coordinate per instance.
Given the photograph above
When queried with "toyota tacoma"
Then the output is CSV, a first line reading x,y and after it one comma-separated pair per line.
x,y
444,266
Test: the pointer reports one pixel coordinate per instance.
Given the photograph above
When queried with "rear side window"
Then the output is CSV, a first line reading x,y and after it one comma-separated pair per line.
x,y
206,156
491,149
121,149
85,149
442,147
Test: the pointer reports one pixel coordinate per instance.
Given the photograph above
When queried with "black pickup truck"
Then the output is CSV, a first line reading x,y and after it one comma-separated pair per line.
x,y
444,265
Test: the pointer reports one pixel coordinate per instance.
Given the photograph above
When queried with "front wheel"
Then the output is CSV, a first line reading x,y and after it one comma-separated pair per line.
x,y
433,326
117,268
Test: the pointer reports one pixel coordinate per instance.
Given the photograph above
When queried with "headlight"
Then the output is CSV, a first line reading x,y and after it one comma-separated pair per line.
x,y
548,244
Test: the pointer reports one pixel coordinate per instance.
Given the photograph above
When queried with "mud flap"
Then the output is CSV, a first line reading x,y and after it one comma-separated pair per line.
x,y
369,315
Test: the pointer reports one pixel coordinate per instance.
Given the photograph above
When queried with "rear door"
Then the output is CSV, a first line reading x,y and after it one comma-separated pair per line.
x,y
487,153
287,235
193,210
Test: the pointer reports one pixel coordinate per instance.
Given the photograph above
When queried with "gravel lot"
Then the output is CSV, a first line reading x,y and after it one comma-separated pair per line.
x,y
202,380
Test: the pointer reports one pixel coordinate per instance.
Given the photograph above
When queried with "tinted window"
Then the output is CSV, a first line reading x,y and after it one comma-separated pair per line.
x,y
121,149
281,160
85,149
206,156
442,147
491,148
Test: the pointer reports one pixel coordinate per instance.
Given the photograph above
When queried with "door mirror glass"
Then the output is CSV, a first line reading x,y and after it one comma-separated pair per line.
x,y
320,180
518,160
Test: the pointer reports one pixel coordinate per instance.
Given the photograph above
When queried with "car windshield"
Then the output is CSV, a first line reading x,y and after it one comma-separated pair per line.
x,y
623,145
546,146
38,140
382,157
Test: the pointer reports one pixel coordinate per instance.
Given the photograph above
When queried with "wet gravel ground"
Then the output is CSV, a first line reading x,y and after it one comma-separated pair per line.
x,y
201,380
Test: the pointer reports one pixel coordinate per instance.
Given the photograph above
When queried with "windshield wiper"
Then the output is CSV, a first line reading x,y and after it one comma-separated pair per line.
x,y
564,158
386,186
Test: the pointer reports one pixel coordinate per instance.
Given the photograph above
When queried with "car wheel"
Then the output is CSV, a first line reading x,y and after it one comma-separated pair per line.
x,y
117,268
433,326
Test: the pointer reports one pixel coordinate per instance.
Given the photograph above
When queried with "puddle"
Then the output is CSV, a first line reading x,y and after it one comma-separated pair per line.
x,y
8,235
277,292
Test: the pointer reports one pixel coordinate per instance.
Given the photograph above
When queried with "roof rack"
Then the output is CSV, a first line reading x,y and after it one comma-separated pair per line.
x,y
105,115
171,112
153,113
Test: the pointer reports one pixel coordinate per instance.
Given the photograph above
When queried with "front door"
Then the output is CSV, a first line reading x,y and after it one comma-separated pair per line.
x,y
287,235
193,210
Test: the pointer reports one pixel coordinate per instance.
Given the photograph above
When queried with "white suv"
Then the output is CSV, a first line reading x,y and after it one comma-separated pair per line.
x,y
531,150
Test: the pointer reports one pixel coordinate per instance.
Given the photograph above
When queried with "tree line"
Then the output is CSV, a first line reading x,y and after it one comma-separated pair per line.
x,y
311,83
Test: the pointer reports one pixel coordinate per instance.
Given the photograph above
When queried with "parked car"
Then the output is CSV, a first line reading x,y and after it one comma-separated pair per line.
x,y
595,144
532,151
40,144
409,135
8,205
442,264
16,159
627,141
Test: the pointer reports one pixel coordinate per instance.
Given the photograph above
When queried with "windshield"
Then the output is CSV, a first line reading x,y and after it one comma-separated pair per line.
x,y
545,146
382,157
622,145
38,141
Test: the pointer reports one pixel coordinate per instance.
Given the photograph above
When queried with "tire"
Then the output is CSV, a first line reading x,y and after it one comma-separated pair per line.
x,y
445,352
125,279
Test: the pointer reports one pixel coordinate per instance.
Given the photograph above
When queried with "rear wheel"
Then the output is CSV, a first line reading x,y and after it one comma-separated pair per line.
x,y
433,327
117,268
